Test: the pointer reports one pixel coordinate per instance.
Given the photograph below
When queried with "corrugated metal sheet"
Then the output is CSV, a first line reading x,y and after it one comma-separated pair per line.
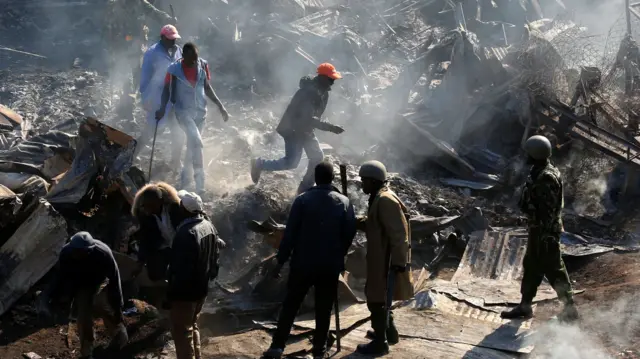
x,y
436,325
436,300
318,4
498,52
493,254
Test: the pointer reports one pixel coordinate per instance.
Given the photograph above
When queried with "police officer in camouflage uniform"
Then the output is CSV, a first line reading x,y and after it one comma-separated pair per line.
x,y
542,201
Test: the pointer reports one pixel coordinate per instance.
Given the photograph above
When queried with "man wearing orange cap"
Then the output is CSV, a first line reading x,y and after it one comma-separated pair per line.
x,y
296,127
155,63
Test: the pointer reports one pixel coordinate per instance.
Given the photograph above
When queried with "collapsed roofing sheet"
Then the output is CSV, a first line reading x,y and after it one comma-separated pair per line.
x,y
100,149
30,253
496,253
574,245
488,293
47,155
436,325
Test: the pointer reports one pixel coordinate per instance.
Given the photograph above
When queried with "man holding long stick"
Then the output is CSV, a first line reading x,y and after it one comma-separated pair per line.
x,y
155,63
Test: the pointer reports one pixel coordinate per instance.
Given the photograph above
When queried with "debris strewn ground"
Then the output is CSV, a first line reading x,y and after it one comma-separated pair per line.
x,y
443,92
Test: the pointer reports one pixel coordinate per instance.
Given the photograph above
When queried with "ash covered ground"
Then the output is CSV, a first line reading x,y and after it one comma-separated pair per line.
x,y
445,110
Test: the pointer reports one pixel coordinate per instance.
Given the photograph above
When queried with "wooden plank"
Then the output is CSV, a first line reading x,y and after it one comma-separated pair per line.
x,y
9,116
349,317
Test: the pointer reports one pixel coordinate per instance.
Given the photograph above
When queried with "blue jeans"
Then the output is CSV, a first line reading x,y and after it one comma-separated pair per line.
x,y
193,166
293,147
177,134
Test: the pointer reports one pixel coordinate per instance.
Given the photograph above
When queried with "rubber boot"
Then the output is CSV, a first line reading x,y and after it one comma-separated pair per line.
x,y
273,353
521,311
256,170
393,337
379,345
569,313
120,339
199,179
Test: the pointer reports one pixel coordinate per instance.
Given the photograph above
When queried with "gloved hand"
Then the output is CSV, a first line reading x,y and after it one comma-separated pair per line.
x,y
225,114
398,269
222,244
336,129
159,114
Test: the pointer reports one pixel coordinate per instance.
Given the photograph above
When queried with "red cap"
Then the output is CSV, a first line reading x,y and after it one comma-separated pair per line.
x,y
329,70
170,32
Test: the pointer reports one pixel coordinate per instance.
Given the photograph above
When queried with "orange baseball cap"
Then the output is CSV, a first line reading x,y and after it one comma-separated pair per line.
x,y
329,70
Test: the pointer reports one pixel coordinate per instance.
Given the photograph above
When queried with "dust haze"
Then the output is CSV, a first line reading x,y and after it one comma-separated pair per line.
x,y
616,324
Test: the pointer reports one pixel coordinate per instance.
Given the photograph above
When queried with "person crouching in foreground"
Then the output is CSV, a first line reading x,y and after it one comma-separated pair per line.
x,y
88,272
194,263
319,232
388,257
187,85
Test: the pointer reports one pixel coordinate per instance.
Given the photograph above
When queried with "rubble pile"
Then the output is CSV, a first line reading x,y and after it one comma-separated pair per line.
x,y
444,93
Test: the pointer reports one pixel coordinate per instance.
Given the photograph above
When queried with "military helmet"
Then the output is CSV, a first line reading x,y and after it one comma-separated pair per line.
x,y
374,170
538,147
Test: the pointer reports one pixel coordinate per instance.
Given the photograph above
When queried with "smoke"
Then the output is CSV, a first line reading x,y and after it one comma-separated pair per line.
x,y
602,329
590,198
586,178
557,341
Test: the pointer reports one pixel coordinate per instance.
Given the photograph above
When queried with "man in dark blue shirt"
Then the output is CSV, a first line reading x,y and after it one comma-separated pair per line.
x,y
320,230
88,271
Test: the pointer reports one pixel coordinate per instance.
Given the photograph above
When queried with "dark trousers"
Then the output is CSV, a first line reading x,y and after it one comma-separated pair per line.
x,y
326,286
93,303
293,147
543,258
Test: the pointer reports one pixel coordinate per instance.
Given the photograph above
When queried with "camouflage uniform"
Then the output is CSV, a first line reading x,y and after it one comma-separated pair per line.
x,y
542,201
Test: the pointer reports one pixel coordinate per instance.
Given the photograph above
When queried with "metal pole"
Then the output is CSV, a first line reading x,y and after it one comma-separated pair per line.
x,y
336,303
627,13
153,148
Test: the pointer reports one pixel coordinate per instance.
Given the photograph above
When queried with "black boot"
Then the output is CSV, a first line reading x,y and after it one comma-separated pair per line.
x,y
392,332
569,313
379,345
521,311
256,170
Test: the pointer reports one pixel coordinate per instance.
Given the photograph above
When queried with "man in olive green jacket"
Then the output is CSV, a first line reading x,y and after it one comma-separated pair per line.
x,y
388,255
